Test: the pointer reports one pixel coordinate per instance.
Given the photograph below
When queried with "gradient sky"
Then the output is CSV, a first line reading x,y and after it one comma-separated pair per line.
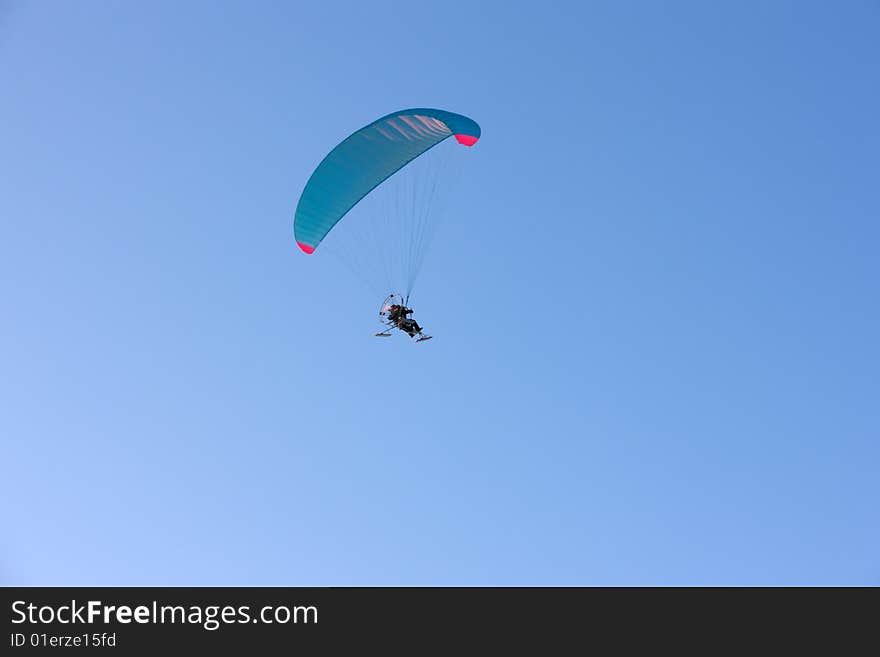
x,y
657,354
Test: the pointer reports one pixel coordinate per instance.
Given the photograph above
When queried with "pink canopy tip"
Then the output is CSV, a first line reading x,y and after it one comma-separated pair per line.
x,y
467,140
306,247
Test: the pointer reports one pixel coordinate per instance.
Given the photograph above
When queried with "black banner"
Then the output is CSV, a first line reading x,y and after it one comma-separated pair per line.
x,y
415,620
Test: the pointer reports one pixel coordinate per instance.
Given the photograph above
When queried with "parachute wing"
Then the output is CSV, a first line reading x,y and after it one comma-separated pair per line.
x,y
367,158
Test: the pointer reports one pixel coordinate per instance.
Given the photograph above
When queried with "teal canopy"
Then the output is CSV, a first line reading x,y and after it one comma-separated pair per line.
x,y
367,158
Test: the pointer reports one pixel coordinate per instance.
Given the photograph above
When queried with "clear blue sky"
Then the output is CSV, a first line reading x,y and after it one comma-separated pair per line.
x,y
691,188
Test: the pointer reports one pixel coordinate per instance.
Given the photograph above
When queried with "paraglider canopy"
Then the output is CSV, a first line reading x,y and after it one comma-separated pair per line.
x,y
365,159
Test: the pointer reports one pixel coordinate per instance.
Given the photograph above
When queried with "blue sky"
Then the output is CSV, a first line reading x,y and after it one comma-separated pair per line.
x,y
656,359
